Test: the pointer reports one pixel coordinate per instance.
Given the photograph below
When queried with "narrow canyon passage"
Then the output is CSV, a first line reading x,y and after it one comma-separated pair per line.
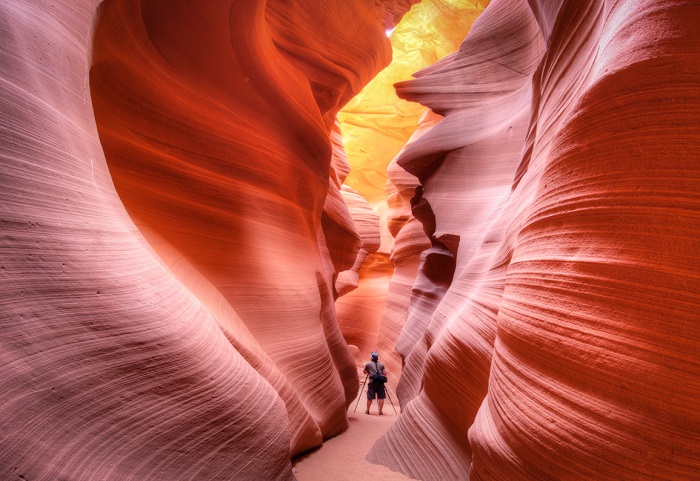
x,y
211,212
342,458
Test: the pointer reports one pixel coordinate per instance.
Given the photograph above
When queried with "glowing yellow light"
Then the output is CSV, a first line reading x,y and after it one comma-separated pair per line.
x,y
376,123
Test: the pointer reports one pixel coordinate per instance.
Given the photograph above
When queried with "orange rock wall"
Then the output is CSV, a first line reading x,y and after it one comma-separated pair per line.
x,y
565,345
172,224
376,124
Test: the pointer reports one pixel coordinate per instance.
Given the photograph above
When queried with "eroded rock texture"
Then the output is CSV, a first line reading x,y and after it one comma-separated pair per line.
x,y
167,287
566,344
376,124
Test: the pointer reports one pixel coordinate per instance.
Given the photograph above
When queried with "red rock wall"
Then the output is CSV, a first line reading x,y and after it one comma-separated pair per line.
x,y
614,316
167,287
565,347
166,283
250,135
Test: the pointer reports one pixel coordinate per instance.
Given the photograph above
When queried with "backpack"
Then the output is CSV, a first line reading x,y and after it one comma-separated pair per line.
x,y
376,376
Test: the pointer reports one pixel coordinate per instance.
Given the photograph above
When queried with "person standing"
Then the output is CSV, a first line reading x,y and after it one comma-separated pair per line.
x,y
375,387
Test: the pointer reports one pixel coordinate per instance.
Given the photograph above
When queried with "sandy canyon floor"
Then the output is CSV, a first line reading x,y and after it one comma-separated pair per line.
x,y
342,458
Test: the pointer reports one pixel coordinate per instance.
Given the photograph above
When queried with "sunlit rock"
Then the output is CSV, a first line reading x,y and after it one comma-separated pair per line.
x,y
168,285
564,346
178,217
466,164
376,123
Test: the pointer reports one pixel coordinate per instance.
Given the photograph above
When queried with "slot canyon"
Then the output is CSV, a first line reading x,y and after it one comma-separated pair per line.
x,y
212,211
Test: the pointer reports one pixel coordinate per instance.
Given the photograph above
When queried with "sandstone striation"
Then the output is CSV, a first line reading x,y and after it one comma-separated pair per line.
x,y
376,124
170,236
178,220
565,345
465,163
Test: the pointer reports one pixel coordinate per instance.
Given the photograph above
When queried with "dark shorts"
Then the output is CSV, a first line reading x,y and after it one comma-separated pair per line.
x,y
376,389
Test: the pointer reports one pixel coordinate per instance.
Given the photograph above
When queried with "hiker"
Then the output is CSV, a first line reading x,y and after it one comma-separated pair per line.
x,y
373,369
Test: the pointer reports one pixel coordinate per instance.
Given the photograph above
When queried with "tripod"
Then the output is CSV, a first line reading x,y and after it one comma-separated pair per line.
x,y
386,389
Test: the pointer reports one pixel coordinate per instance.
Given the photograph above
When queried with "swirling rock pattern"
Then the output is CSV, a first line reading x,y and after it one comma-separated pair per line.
x,y
465,164
613,363
265,109
376,124
167,283
566,345
172,222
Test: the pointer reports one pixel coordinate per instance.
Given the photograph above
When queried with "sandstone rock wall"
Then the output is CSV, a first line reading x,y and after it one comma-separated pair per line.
x,y
170,236
173,223
376,124
565,346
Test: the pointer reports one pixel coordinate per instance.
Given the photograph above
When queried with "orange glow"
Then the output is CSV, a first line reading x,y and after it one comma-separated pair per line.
x,y
376,123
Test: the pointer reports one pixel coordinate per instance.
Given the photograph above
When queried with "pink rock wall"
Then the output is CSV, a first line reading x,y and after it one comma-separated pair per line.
x,y
613,316
566,345
168,282
167,286
466,164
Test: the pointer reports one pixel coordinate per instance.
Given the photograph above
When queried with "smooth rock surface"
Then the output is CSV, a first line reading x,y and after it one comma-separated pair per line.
x,y
171,228
565,346
174,234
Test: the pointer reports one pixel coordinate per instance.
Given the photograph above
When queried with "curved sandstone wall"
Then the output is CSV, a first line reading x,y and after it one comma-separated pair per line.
x,y
565,345
172,228
174,232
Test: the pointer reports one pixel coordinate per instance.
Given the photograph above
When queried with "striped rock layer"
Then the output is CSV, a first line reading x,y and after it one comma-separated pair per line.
x,y
171,226
553,330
